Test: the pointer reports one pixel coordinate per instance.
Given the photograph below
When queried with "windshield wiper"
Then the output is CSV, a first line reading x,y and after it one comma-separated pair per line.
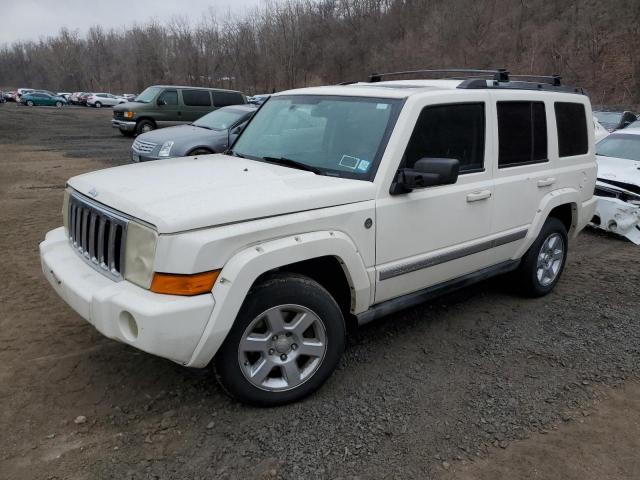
x,y
287,162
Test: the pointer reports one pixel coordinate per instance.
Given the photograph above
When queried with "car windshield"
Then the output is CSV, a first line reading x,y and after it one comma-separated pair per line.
x,y
620,146
608,117
148,94
220,119
339,136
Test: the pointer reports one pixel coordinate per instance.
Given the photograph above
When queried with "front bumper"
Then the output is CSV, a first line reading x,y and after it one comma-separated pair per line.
x,y
617,216
122,125
144,157
165,325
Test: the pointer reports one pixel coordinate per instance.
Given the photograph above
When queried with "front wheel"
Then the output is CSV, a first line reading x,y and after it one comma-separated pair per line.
x,y
145,126
98,105
286,341
29,103
199,151
544,262
59,104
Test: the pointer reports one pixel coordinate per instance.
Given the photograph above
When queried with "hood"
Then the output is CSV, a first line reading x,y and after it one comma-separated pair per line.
x,y
181,133
195,192
125,107
619,170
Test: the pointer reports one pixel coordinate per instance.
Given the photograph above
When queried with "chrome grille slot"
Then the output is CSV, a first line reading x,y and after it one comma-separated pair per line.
x,y
98,235
143,147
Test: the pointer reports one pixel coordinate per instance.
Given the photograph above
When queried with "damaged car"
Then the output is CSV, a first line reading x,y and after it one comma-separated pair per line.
x,y
618,184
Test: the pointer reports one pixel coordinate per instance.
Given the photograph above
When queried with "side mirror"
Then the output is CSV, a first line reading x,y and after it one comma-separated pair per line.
x,y
161,102
237,130
427,172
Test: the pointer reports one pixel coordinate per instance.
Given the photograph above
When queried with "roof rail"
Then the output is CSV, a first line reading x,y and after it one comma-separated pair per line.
x,y
493,78
499,74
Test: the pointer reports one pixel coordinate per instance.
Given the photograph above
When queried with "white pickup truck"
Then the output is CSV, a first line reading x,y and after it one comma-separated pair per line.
x,y
336,204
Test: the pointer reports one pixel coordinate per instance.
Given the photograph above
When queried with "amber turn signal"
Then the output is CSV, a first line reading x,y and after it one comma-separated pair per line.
x,y
177,284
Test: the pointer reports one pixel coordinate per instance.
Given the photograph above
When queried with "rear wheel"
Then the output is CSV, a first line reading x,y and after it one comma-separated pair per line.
x,y
29,103
286,341
544,262
145,126
98,105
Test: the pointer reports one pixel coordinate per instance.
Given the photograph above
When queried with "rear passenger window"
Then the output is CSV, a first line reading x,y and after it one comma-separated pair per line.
x,y
522,133
196,98
222,99
170,97
571,120
449,131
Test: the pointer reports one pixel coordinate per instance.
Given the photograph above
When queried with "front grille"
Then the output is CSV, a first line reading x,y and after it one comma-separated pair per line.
x,y
98,235
118,115
143,147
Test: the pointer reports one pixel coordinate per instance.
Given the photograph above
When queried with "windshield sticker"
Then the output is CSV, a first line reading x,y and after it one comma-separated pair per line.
x,y
349,162
382,106
363,166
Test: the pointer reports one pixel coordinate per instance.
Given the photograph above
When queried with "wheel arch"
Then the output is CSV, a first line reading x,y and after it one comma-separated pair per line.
x,y
319,255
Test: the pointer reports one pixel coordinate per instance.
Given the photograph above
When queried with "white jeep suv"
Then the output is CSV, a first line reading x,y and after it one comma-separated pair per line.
x,y
336,204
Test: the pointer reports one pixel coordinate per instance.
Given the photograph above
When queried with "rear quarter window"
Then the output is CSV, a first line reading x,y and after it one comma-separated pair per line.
x,y
223,99
196,98
571,121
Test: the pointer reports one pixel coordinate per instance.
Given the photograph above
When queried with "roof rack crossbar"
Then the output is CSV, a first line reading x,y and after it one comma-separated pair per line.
x,y
499,75
554,79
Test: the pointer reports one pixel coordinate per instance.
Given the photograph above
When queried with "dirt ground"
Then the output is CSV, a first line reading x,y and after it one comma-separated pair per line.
x,y
481,384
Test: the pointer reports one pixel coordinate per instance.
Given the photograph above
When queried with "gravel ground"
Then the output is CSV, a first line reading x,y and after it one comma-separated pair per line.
x,y
434,386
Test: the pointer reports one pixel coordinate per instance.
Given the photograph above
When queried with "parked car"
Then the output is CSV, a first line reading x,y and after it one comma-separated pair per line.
x,y
83,97
64,95
10,96
166,105
600,131
129,96
3,99
618,185
74,99
615,120
42,99
100,100
335,204
22,91
212,133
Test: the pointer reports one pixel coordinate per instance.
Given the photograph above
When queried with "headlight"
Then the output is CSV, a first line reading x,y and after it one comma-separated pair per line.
x,y
165,150
140,254
129,114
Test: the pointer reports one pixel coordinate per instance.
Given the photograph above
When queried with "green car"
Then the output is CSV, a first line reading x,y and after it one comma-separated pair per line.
x,y
42,99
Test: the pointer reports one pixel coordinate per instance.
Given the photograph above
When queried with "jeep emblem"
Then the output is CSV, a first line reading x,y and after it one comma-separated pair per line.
x,y
93,192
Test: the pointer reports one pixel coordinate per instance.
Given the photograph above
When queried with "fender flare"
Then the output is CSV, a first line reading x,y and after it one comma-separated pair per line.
x,y
550,201
242,270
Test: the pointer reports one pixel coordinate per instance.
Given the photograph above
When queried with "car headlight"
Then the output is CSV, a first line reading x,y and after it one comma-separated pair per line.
x,y
165,150
129,114
139,254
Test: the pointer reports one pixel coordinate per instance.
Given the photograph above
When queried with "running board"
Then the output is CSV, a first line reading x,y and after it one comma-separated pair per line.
x,y
412,299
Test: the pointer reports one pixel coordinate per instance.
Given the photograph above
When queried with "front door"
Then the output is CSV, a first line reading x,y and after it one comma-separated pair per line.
x,y
435,234
169,111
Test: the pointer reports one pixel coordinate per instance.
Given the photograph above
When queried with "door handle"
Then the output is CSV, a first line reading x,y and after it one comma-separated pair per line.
x,y
480,195
546,182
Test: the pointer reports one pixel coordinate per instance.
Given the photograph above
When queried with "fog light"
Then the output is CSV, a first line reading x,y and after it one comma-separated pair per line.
x,y
128,326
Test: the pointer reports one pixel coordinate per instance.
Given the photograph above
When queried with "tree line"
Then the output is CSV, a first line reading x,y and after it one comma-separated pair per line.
x,y
293,43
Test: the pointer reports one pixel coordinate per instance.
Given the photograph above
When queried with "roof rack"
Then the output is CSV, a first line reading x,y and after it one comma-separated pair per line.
x,y
493,78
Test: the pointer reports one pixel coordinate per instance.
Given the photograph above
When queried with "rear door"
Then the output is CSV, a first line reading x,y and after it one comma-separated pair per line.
x,y
196,104
525,170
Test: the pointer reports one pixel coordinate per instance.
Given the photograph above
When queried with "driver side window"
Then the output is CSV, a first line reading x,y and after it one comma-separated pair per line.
x,y
170,97
449,131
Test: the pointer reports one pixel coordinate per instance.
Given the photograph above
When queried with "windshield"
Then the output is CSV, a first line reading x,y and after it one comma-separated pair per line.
x,y
608,117
620,146
148,94
339,136
220,119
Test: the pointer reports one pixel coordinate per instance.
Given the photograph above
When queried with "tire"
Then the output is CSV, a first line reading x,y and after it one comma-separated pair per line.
x,y
59,104
312,323
29,103
542,265
97,105
199,151
144,126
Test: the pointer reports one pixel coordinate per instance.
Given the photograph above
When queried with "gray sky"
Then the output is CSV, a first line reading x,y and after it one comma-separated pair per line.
x,y
33,19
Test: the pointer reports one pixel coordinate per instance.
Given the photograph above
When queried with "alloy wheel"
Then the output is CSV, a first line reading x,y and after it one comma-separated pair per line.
x,y
550,258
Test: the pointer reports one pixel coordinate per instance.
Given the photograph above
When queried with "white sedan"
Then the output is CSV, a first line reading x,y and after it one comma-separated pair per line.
x,y
100,100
